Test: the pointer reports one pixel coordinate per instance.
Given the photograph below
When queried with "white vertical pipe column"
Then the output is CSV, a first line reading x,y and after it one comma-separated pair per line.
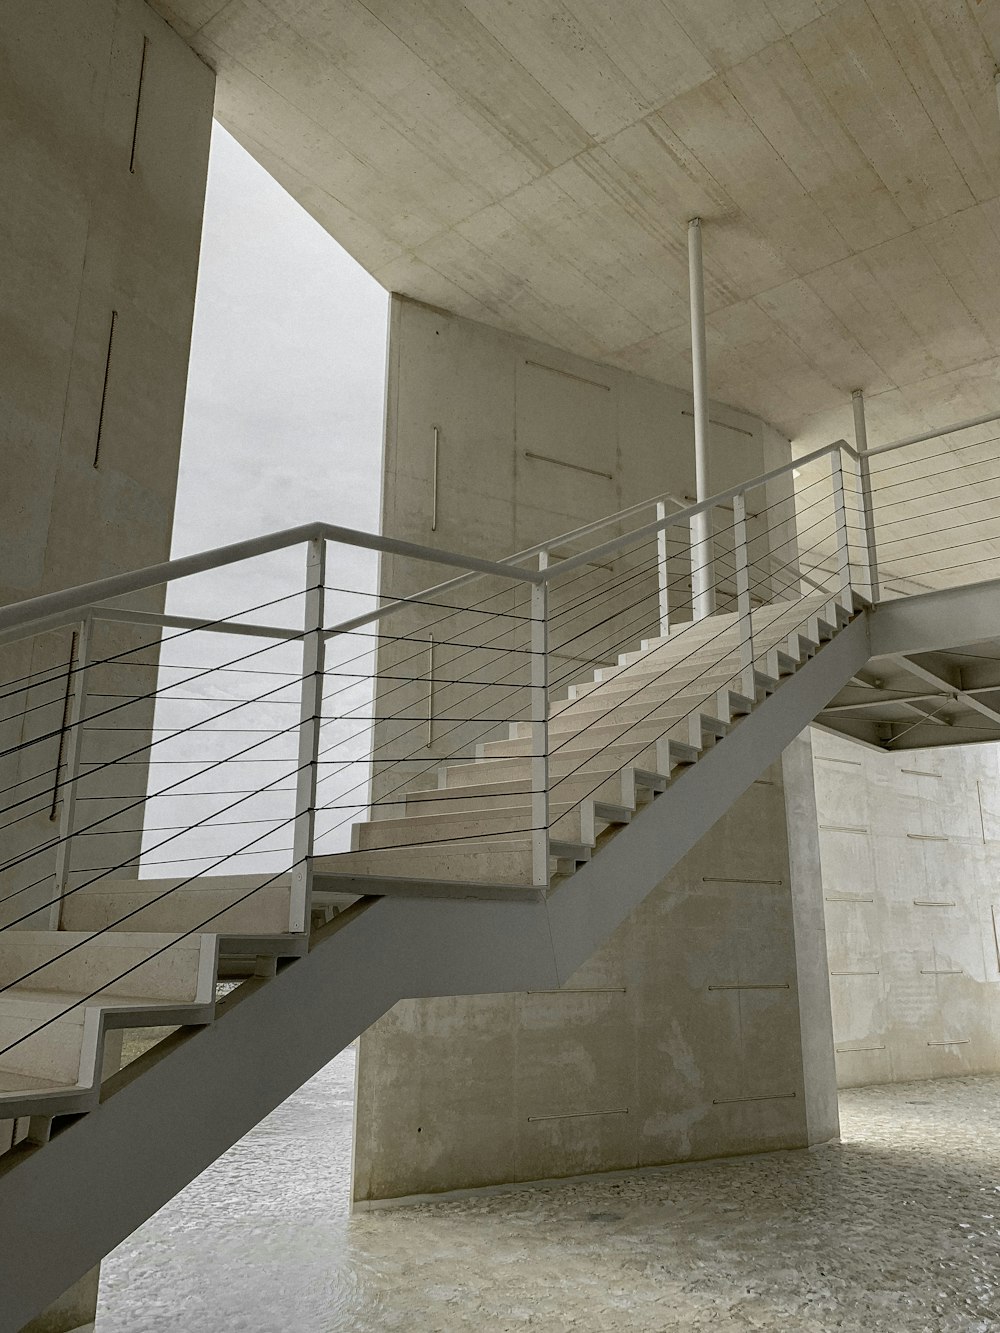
x,y
74,742
310,716
748,683
867,507
702,580
540,728
663,586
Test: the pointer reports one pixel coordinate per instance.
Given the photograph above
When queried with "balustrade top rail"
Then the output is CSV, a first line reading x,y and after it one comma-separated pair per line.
x,y
54,610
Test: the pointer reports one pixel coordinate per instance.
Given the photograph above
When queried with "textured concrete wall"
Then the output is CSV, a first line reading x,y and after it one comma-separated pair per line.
x,y
496,398
107,117
504,407
101,212
911,869
107,120
682,1038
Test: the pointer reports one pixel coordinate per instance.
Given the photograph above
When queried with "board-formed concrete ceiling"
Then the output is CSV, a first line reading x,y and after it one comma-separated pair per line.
x,y
533,163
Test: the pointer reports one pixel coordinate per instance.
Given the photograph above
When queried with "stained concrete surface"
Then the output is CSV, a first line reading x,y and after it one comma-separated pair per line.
x,y
897,1229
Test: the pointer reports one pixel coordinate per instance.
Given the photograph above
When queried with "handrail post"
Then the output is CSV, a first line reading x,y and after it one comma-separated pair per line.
x,y
540,728
310,717
867,507
662,579
840,527
74,743
743,607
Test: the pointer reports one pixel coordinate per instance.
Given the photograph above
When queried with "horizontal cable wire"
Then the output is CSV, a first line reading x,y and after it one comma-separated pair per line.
x,y
128,971
116,658
144,749
914,462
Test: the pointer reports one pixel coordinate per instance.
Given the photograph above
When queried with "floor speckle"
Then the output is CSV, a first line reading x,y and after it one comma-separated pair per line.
x,y
897,1229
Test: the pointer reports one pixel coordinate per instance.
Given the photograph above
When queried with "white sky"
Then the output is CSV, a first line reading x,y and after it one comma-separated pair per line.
x,y
283,426
285,397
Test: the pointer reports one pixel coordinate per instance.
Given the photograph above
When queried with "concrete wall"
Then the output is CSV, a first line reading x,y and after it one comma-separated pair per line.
x,y
107,118
684,1037
504,408
641,1060
911,885
496,398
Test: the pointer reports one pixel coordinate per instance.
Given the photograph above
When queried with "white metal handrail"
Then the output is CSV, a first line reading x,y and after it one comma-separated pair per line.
x,y
54,610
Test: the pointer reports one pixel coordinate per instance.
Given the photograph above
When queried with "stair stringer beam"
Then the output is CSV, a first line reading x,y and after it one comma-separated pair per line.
x,y
67,1204
586,909
168,1116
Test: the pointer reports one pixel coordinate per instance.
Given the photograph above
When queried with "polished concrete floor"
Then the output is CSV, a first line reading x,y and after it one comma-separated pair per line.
x,y
897,1229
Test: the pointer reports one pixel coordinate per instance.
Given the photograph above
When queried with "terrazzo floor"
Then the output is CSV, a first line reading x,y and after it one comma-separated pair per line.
x,y
897,1229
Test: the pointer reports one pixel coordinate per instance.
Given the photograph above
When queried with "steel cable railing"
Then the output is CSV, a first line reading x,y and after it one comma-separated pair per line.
x,y
402,785
423,679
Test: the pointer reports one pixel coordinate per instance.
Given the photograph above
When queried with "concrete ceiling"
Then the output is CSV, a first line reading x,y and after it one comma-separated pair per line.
x,y
532,164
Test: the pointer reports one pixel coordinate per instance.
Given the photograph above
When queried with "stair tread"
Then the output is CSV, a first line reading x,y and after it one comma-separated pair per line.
x,y
11,1081
32,999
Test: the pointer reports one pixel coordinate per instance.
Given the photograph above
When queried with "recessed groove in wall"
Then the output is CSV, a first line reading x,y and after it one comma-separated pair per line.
x,y
853,1050
693,499
772,1097
582,990
562,462
982,814
843,828
586,661
63,727
921,772
590,564
846,898
959,1041
942,972
708,879
104,387
932,902
712,422
578,1115
138,104
829,759
771,985
582,379
929,837
834,973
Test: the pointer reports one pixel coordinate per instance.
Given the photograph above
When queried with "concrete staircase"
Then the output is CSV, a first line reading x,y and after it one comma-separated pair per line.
x,y
134,954
390,918
615,742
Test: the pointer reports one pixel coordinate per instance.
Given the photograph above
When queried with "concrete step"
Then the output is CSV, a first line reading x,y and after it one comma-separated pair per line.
x,y
628,682
576,822
156,904
645,696
697,728
505,859
661,756
679,650
57,988
628,787
119,964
